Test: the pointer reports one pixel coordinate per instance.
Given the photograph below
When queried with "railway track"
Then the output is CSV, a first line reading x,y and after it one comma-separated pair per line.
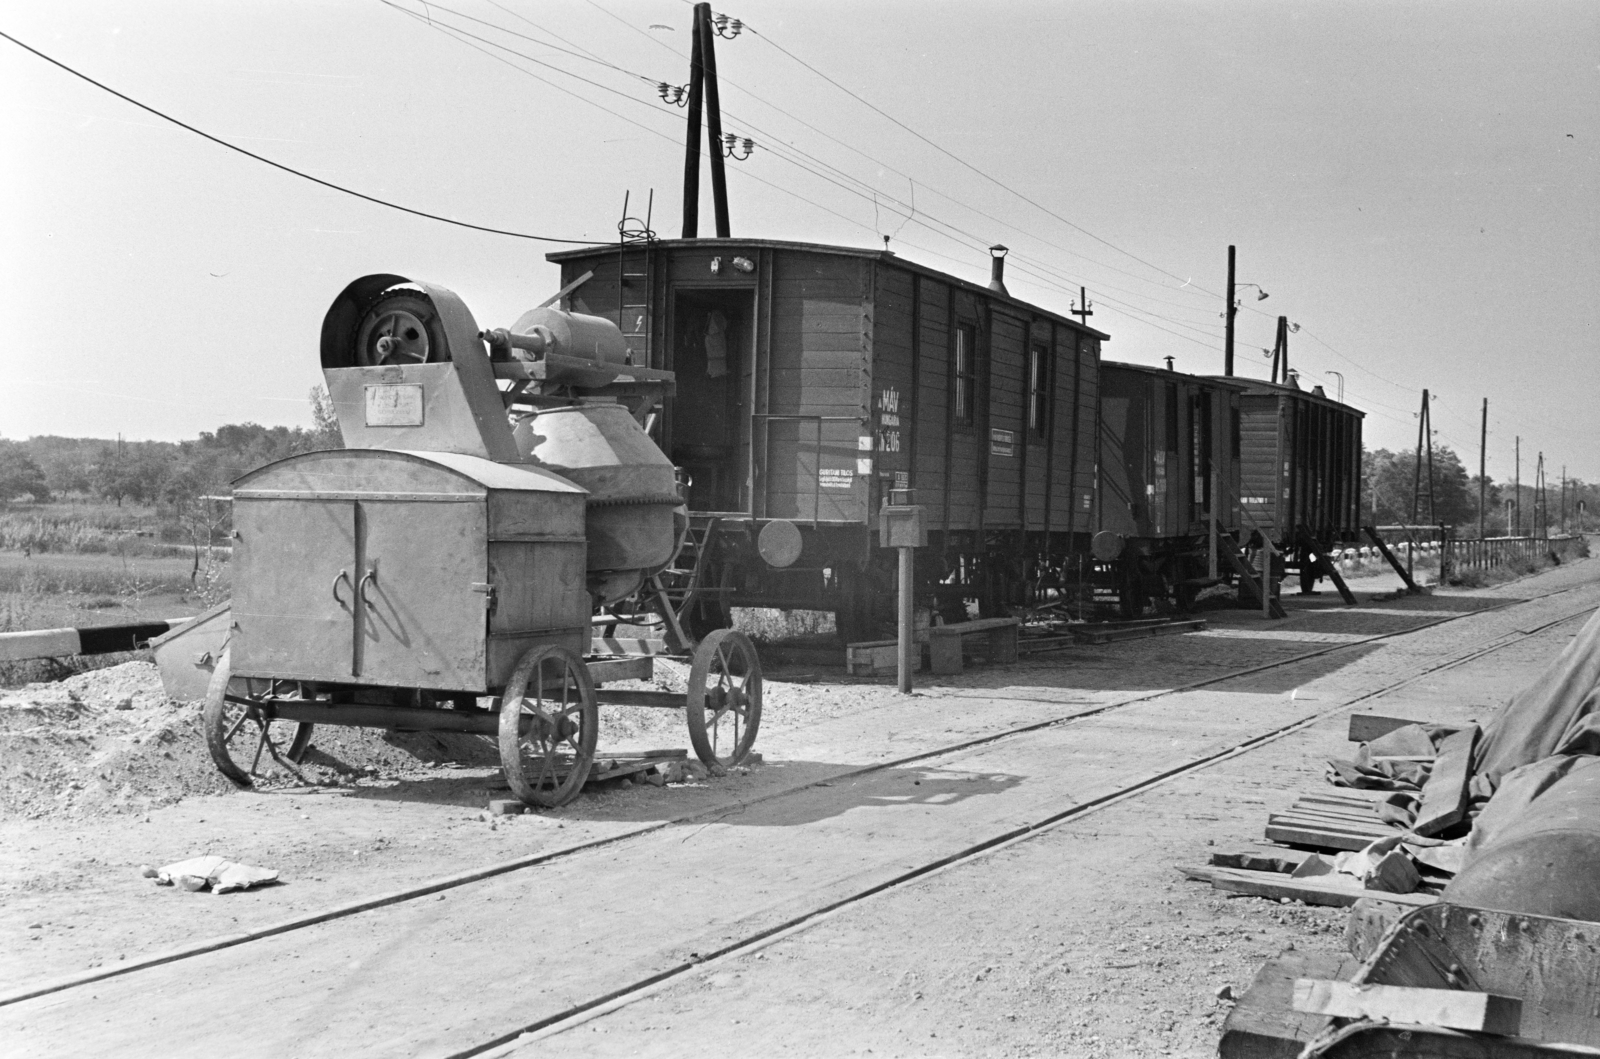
x,y
582,1008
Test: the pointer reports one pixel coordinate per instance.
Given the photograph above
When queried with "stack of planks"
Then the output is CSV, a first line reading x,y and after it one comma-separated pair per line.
x,y
1337,818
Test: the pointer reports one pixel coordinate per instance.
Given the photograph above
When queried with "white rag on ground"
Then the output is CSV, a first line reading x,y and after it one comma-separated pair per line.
x,y
197,873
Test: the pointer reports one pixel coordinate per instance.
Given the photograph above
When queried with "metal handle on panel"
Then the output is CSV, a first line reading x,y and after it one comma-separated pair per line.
x,y
370,578
345,577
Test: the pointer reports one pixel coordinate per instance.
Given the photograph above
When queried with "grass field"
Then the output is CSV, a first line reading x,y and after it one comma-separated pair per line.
x,y
57,591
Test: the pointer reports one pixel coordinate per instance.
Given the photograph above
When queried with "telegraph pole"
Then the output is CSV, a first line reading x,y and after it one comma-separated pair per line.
x,y
708,61
691,161
1416,469
1563,500
1517,491
1083,312
1483,449
1227,341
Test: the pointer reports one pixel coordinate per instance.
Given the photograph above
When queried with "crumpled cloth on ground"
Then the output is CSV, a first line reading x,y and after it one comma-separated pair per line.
x,y
1383,866
221,875
1366,772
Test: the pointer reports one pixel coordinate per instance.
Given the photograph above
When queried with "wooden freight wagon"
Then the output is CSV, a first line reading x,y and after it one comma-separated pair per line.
x,y
1300,468
813,380
1169,447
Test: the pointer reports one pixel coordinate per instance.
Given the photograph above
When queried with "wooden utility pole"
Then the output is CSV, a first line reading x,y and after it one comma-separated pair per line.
x,y
1424,430
708,59
1541,502
1517,489
1483,458
1227,341
1563,500
1083,312
1280,351
691,161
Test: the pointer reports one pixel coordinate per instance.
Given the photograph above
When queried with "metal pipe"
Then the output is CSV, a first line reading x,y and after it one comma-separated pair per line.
x,y
414,718
907,633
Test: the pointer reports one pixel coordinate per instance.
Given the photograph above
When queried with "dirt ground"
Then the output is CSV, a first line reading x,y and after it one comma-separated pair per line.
x,y
1079,941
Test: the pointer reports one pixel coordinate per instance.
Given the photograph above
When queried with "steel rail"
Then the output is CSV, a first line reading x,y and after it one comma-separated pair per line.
x,y
586,1011
710,814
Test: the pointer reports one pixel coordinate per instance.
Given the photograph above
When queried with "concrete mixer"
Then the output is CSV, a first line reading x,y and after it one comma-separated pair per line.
x,y
444,571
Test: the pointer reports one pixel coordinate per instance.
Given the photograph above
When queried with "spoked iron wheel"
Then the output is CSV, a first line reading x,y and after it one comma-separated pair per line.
x,y
549,721
246,743
724,701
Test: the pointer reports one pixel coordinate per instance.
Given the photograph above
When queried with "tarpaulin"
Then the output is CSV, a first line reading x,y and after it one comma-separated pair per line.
x,y
1556,714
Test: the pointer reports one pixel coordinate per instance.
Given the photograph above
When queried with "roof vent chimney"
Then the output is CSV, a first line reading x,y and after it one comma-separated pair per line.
x,y
997,269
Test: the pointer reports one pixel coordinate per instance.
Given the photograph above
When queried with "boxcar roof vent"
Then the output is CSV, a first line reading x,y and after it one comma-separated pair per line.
x,y
997,269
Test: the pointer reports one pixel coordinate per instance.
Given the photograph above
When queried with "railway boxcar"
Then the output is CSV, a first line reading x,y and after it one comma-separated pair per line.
x,y
1300,467
814,380
1169,448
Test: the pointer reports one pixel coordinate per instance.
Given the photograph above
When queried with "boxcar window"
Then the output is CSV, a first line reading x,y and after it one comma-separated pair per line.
x,y
965,375
1038,390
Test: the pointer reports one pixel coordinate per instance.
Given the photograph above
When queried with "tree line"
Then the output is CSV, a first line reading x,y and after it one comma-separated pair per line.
x,y
175,475
162,473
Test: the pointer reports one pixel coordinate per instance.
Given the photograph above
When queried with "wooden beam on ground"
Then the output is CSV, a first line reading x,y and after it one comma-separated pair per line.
x,y
1378,542
1264,1023
1317,837
1455,1009
1365,727
1444,796
1276,886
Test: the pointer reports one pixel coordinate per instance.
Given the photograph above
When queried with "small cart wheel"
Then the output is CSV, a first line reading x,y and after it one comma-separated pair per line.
x,y
549,721
243,738
724,700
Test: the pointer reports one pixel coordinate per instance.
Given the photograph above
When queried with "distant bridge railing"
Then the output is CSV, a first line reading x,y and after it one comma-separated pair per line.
x,y
1483,553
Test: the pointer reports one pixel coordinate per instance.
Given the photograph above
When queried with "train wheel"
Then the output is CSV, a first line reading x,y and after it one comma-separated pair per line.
x,y
724,701
549,721
244,741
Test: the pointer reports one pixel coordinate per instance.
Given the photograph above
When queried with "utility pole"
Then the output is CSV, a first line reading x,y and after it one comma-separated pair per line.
x,y
1483,449
1541,503
1280,351
1083,312
1563,500
1517,489
1227,341
691,161
1416,468
708,59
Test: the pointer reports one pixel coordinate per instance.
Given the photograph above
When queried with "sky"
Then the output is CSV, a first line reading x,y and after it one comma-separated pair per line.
x,y
1412,183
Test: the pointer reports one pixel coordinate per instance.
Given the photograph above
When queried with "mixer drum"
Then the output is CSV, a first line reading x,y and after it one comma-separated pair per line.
x,y
634,517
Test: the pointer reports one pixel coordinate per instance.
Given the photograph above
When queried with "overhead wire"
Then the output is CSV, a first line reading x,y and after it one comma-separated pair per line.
x,y
963,162
286,168
794,156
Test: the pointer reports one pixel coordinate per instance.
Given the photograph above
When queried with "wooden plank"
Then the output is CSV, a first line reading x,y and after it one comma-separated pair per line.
x,y
1455,1009
1264,1024
1344,813
1254,861
1276,885
1444,796
1372,534
640,667
1315,837
1336,825
1365,727
671,700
